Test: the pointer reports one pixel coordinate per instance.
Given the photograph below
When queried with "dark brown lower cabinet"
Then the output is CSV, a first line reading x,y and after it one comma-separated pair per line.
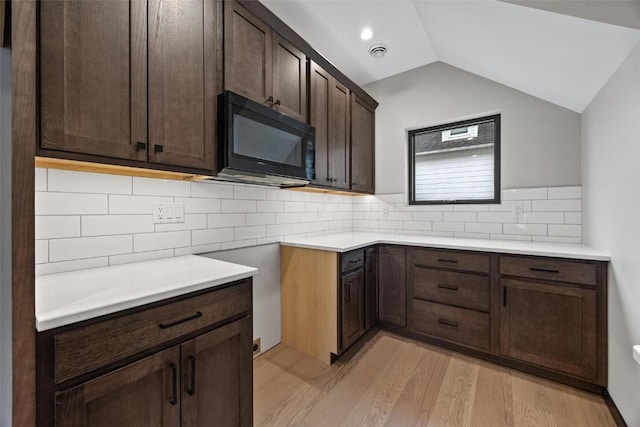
x,y
371,287
392,287
352,325
191,367
549,325
142,394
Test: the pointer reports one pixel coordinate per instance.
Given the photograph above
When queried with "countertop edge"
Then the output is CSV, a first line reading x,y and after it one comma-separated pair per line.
x,y
482,248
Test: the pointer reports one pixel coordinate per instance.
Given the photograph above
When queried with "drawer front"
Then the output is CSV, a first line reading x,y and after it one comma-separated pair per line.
x,y
91,347
457,325
549,269
454,260
352,260
447,287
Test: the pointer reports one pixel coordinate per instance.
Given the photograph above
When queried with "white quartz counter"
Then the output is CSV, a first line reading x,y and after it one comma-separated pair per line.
x,y
344,242
65,298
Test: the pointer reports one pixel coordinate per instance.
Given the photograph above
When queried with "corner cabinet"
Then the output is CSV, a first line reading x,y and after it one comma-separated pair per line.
x,y
262,65
179,363
342,287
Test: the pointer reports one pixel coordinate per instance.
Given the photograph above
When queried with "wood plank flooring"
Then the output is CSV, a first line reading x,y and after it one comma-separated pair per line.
x,y
388,380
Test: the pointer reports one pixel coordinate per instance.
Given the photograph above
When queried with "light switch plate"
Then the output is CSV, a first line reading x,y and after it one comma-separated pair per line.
x,y
636,353
168,213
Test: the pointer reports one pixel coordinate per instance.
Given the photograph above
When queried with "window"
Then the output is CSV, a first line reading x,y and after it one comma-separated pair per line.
x,y
455,163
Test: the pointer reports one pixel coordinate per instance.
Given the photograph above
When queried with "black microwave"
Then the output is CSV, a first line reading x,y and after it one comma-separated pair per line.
x,y
260,145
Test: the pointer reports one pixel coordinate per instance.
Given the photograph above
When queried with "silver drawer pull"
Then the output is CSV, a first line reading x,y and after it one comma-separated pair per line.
x,y
544,270
449,287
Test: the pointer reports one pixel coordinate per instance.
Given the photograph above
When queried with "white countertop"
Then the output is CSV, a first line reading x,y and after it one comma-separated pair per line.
x,y
65,298
344,242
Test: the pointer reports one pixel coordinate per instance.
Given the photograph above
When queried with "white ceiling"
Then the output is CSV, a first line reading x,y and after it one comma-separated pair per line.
x,y
559,58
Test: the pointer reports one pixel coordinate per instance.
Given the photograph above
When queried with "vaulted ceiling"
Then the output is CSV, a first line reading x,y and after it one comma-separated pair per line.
x,y
558,57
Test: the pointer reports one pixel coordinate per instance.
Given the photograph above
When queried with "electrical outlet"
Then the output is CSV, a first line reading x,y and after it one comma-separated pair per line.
x,y
168,213
256,347
636,353
518,210
385,211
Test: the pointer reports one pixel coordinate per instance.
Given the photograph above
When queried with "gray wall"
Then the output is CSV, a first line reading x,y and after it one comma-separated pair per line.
x,y
540,141
611,197
5,240
266,288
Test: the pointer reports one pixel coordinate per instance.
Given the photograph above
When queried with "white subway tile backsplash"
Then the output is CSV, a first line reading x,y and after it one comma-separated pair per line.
x,y
161,187
238,206
565,230
483,227
78,264
165,240
212,190
459,216
42,251
225,220
41,179
105,225
213,235
70,204
530,229
76,230
191,222
542,218
195,206
82,182
134,205
573,217
574,205
525,194
565,193
54,227
249,192
89,247
140,256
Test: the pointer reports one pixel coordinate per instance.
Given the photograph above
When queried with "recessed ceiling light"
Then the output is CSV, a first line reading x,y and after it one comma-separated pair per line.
x,y
366,34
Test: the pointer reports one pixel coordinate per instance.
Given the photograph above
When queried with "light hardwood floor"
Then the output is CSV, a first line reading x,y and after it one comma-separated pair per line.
x,y
392,381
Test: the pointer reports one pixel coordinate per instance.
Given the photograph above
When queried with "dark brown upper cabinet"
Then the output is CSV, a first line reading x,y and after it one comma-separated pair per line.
x,y
329,114
103,68
362,146
261,65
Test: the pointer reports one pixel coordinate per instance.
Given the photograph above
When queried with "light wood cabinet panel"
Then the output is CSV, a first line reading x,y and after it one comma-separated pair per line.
x,y
183,67
142,394
93,77
362,146
217,377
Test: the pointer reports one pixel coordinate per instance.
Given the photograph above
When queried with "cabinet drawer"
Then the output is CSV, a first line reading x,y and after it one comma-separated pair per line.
x,y
447,287
450,259
352,260
457,325
549,269
94,346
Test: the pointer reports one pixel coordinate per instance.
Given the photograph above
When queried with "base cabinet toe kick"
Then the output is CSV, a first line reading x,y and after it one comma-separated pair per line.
x,y
543,315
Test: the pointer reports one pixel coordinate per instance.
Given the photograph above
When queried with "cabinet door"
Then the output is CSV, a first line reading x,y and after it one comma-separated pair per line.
x,y
217,377
289,79
247,54
338,144
352,325
184,56
93,77
143,394
549,325
319,117
392,291
370,288
362,146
